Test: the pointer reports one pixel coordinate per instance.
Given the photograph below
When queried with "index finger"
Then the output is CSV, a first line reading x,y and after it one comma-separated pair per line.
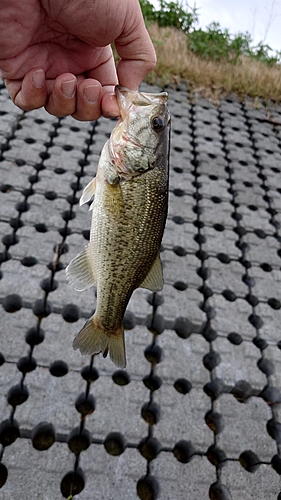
x,y
135,48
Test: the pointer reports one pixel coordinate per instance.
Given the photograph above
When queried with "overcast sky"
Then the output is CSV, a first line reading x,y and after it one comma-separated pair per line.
x,y
261,18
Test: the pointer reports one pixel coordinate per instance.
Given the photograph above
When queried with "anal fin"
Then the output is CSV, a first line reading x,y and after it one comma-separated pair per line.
x,y
80,271
154,279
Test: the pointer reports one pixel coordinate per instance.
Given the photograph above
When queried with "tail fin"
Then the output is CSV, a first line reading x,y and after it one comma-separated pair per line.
x,y
93,339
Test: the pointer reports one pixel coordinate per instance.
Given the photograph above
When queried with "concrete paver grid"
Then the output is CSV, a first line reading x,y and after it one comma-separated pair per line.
x,y
196,414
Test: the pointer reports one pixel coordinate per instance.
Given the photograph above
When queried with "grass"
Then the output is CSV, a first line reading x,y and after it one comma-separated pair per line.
x,y
245,72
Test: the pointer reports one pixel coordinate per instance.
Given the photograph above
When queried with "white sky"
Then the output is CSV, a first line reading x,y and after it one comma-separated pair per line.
x,y
261,18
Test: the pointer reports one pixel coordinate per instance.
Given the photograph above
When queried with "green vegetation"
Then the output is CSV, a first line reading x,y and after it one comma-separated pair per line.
x,y
212,61
170,14
213,42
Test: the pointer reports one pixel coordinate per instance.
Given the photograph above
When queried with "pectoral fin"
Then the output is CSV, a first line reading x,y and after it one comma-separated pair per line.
x,y
154,279
88,192
80,271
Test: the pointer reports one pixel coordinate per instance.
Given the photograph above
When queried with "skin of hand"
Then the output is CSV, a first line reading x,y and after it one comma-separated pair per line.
x,y
57,54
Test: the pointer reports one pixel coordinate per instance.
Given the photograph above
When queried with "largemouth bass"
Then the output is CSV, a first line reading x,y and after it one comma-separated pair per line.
x,y
128,218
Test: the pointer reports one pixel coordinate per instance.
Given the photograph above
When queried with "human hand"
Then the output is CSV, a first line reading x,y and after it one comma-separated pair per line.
x,y
57,54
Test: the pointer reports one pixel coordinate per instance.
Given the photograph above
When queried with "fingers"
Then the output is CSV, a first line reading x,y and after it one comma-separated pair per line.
x,y
64,96
135,48
29,93
88,101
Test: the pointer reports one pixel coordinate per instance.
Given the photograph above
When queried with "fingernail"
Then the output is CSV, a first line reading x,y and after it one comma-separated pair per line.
x,y
69,88
38,78
92,93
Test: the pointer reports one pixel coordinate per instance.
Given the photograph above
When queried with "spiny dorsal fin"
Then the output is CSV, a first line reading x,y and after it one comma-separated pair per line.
x,y
80,271
154,279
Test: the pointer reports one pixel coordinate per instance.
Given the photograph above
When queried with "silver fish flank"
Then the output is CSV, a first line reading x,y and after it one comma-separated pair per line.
x,y
128,217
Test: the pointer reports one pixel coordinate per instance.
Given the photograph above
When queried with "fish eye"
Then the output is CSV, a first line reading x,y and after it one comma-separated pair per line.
x,y
157,123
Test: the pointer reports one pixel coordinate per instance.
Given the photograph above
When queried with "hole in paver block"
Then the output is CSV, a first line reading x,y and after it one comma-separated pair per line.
x,y
219,491
180,285
153,353
9,432
209,333
115,443
150,412
2,359
26,364
216,456
177,219
85,404
12,303
152,382
266,366
276,465
58,368
180,251
211,360
260,233
50,195
129,320
60,170
6,188
178,170
10,239
252,299
182,385
274,430
218,227
29,261
72,484
215,388
79,440
49,285
249,460
183,451
149,448
71,313
259,343
229,295
147,488
242,391
17,395
121,377
42,308
255,320
178,192
266,267
90,373
3,474
183,327
235,338
215,421
271,395
274,303
43,436
225,259
16,223
34,336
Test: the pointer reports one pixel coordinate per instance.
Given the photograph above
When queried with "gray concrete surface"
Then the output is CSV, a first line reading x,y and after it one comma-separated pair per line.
x,y
196,415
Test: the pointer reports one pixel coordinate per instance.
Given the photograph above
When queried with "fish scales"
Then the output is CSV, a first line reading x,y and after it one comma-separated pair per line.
x,y
131,242
128,218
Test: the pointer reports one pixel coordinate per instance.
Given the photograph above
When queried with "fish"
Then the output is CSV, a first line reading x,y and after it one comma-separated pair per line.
x,y
129,212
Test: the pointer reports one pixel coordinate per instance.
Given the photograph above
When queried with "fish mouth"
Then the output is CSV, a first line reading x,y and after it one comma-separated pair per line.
x,y
126,98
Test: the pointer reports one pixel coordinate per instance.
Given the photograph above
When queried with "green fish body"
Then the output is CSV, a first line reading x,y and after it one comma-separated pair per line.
x,y
128,217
